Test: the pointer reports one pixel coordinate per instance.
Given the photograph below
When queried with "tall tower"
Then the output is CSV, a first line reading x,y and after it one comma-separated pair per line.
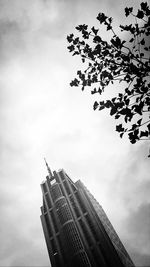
x,y
77,230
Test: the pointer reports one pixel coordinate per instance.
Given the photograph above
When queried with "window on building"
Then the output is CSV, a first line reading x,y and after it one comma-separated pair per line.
x,y
53,245
49,227
98,257
64,213
54,220
74,188
62,175
81,202
74,205
73,237
55,191
44,187
92,227
83,259
48,201
44,205
62,249
66,187
86,233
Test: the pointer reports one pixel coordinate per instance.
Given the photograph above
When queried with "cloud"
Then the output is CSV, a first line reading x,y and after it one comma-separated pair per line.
x,y
36,18
130,189
140,259
22,240
22,250
41,116
138,228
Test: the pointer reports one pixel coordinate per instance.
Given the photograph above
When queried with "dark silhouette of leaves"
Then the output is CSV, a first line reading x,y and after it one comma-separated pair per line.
x,y
148,126
119,128
144,6
95,31
95,106
75,82
128,10
97,39
101,17
82,28
71,48
140,14
144,133
118,61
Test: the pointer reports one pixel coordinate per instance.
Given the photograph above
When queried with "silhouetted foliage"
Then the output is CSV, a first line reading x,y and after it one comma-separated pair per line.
x,y
118,61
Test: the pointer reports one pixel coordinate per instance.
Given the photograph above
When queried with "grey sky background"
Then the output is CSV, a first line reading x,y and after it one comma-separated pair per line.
x,y
41,116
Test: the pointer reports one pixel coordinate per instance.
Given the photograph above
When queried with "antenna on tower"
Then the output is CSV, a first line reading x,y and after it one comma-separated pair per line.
x,y
48,168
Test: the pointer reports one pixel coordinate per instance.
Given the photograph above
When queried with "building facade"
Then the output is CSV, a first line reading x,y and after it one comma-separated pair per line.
x,y
76,229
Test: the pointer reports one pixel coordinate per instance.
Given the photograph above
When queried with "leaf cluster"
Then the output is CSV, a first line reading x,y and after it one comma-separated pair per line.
x,y
118,61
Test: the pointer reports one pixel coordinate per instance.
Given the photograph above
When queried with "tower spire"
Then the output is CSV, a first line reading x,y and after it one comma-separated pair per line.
x,y
48,168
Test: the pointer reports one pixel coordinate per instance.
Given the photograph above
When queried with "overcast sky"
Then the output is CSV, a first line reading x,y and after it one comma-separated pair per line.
x,y
42,116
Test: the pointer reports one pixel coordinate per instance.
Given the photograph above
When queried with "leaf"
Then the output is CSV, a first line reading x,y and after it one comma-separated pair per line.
x,y
144,6
119,128
94,91
106,52
131,40
108,104
146,48
116,42
110,20
70,38
71,48
128,10
82,27
126,119
75,53
127,101
95,106
109,27
148,126
100,91
123,111
142,42
113,110
139,121
121,135
140,14
138,108
101,17
133,136
134,126
141,54
95,31
144,133
117,116
101,107
97,39
75,82
97,49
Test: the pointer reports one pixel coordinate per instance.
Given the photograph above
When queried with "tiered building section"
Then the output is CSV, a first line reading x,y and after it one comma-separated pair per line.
x,y
77,230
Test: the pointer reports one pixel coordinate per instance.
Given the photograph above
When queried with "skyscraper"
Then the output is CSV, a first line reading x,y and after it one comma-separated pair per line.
x,y
77,230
